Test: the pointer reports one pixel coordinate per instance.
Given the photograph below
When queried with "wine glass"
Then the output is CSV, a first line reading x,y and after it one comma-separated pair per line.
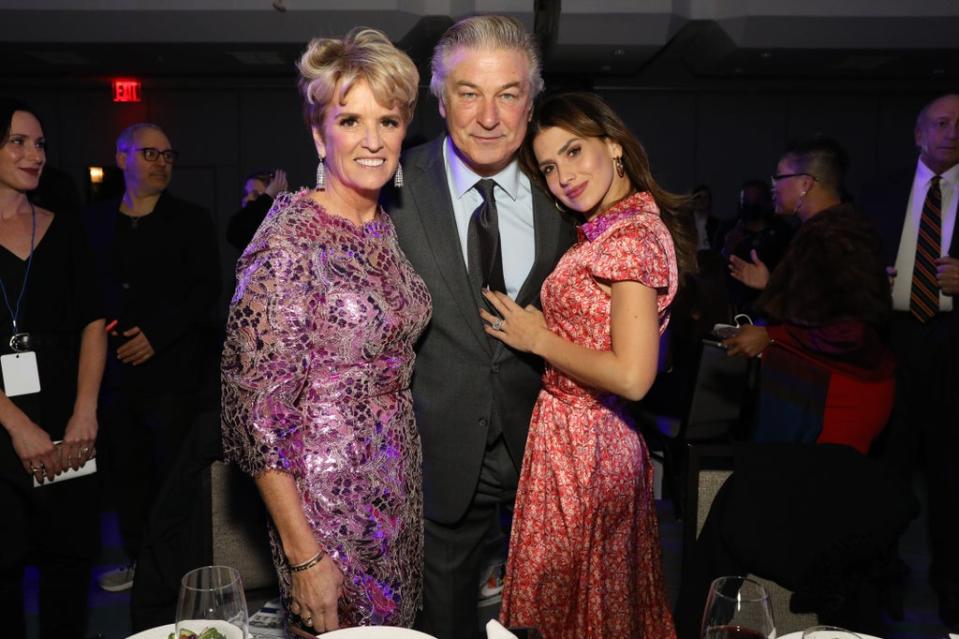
x,y
737,608
828,632
212,598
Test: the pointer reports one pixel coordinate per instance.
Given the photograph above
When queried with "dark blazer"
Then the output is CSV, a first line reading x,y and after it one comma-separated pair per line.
x,y
170,294
463,380
885,202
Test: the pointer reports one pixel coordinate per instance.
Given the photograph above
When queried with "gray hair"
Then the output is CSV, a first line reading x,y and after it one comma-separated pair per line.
x,y
486,32
924,111
127,138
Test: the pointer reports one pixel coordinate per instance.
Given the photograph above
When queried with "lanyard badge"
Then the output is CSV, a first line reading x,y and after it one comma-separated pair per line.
x,y
21,342
20,373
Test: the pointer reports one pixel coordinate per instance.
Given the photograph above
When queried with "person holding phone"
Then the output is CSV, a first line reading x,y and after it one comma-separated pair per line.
x,y
829,297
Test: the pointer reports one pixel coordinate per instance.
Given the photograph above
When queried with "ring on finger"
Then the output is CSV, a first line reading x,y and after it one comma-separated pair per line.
x,y
498,325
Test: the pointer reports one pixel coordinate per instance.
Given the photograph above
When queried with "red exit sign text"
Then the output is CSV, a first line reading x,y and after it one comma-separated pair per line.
x,y
126,90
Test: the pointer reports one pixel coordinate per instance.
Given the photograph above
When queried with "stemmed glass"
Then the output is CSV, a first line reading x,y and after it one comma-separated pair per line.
x,y
211,598
737,608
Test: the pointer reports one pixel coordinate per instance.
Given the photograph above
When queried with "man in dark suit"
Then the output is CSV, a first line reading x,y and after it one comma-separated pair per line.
x,y
915,214
461,232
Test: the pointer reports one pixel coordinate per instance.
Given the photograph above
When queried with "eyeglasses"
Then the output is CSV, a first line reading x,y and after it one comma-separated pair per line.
x,y
151,154
782,176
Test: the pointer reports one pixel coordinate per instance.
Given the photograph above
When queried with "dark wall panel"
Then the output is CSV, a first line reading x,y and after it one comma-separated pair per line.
x,y
739,137
852,120
202,125
896,133
666,125
272,134
90,124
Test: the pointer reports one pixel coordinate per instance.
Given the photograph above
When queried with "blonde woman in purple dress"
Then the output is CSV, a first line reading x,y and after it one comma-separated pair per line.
x,y
319,354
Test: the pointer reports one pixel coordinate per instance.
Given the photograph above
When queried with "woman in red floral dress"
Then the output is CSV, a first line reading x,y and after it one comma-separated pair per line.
x,y
584,560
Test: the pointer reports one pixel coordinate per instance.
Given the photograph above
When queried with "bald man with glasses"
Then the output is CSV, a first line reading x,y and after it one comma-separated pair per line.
x,y
159,269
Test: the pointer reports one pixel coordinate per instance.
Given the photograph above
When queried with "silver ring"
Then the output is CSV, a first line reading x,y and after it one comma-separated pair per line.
x,y
498,325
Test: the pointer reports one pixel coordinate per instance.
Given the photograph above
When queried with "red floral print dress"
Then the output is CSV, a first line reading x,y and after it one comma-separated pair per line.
x,y
584,560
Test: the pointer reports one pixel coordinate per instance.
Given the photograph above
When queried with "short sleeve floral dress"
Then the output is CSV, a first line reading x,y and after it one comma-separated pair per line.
x,y
584,557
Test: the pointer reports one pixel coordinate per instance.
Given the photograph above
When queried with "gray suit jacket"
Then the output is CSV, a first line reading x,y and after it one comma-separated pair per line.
x,y
463,380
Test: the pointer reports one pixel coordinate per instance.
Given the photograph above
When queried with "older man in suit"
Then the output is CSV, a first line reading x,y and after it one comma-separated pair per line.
x,y
468,218
915,213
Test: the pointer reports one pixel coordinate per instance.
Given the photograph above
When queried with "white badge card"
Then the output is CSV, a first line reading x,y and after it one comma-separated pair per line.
x,y
20,373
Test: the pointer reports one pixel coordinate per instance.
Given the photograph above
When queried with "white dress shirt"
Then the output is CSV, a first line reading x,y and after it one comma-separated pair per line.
x,y
514,209
906,258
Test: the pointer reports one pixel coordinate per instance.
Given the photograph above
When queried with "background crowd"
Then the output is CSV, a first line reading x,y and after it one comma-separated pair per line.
x,y
396,326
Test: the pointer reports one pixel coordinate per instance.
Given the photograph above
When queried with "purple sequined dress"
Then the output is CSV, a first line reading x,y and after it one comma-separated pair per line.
x,y
316,374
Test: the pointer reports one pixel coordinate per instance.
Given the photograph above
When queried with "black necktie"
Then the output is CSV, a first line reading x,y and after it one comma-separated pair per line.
x,y
482,241
924,296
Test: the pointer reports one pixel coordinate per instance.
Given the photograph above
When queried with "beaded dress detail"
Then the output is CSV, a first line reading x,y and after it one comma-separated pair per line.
x,y
316,373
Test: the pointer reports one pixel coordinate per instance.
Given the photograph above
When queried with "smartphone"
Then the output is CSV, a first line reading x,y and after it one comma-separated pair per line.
x,y
724,331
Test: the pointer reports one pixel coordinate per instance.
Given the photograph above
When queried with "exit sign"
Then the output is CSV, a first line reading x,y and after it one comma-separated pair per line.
x,y
126,90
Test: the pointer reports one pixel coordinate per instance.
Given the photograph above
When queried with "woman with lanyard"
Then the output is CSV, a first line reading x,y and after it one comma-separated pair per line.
x,y
52,352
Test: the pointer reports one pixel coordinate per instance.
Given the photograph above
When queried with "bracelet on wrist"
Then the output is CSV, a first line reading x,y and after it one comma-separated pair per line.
x,y
309,563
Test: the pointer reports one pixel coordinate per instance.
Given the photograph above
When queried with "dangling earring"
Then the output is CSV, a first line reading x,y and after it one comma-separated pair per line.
x,y
618,162
321,174
398,176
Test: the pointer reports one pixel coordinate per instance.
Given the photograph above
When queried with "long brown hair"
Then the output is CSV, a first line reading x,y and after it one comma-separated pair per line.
x,y
588,116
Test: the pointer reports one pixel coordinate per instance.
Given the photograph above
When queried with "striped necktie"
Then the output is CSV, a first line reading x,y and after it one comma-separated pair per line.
x,y
924,300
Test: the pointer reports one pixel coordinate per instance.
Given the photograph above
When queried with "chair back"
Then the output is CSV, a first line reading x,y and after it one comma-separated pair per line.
x,y
239,527
709,469
717,400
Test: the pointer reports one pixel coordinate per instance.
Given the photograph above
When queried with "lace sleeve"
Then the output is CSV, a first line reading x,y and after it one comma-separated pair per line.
x,y
266,359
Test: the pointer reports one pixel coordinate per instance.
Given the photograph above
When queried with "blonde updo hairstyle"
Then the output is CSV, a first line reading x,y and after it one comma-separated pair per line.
x,y
363,54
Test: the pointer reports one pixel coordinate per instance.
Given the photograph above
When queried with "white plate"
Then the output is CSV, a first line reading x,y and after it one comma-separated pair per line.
x,y
376,632
160,632
798,635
